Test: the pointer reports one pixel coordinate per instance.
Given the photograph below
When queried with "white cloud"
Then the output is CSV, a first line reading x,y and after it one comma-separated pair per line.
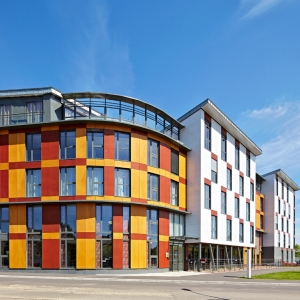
x,y
100,61
266,112
259,7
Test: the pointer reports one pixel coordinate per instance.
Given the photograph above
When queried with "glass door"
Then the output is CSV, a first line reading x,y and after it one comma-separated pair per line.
x,y
4,254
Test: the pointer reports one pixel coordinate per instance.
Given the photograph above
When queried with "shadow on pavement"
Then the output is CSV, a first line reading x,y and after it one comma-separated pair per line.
x,y
211,297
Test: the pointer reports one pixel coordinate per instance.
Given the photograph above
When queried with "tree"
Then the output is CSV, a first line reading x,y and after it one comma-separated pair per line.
x,y
297,251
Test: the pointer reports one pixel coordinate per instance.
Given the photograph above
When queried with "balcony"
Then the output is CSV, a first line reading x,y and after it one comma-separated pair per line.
x,y
23,118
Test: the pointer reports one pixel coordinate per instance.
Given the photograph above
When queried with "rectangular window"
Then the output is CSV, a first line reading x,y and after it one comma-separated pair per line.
x,y
95,181
34,219
261,222
152,238
122,146
237,157
236,207
4,219
33,180
229,179
278,239
284,208
228,229
207,141
276,186
153,153
287,226
278,206
33,146
174,162
261,204
283,241
241,185
67,236
177,224
282,225
247,211
35,112
5,115
248,161
174,193
67,181
251,234
207,196
214,170
153,184
251,191
95,144
223,147
223,203
287,194
276,224
104,225
122,182
282,191
241,233
214,230
67,144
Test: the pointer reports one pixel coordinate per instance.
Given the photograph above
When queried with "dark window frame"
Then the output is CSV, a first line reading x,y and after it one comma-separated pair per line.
x,y
118,148
207,201
151,154
30,186
91,181
30,150
63,146
151,189
90,143
174,161
207,135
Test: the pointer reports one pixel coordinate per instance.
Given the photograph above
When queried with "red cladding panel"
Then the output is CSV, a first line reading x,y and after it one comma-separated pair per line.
x,y
50,254
50,181
51,217
3,183
163,222
4,148
109,181
50,145
109,141
117,218
165,157
163,261
118,254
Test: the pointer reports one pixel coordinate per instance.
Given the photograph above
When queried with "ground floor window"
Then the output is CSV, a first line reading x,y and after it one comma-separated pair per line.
x,y
4,254
68,254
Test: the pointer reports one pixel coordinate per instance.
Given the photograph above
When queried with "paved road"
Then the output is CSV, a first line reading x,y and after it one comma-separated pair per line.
x,y
168,286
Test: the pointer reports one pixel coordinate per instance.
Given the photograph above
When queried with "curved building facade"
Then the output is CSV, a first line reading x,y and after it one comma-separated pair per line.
x,y
89,181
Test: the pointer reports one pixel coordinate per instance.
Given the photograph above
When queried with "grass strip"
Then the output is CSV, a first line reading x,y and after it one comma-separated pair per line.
x,y
290,275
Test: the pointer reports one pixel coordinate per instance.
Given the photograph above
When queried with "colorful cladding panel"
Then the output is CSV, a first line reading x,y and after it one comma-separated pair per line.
x,y
13,165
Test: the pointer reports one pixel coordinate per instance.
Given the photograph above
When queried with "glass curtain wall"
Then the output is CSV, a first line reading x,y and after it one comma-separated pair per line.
x,y
103,236
152,238
126,237
5,115
34,236
68,236
35,112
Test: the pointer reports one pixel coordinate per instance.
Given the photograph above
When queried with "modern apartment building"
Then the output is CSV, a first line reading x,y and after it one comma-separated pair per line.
x,y
94,181
221,176
88,181
279,216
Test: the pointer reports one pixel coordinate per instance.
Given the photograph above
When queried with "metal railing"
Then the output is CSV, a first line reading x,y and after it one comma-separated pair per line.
x,y
224,265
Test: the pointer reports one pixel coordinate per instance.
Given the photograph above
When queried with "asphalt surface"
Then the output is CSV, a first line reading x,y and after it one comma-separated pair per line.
x,y
180,285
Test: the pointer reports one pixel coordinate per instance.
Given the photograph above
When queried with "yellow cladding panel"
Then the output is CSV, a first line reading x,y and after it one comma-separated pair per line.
x,y
153,170
109,162
122,164
80,143
143,149
50,128
135,147
17,219
138,251
16,151
50,163
2,132
80,180
50,198
138,219
86,220
117,236
95,162
174,177
182,195
257,202
84,261
143,184
257,220
16,183
4,200
17,254
135,187
50,235
182,165
3,166
163,238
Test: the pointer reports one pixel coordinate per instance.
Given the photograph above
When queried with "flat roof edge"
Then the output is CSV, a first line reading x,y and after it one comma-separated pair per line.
x,y
29,92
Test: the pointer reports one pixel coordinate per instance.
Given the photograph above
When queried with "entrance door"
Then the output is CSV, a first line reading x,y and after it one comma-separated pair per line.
x,y
176,257
4,262
193,257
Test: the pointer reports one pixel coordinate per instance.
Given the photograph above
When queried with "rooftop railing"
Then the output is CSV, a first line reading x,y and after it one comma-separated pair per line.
x,y
23,118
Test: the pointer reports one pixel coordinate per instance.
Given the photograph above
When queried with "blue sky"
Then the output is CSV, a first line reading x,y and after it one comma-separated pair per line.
x,y
242,54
